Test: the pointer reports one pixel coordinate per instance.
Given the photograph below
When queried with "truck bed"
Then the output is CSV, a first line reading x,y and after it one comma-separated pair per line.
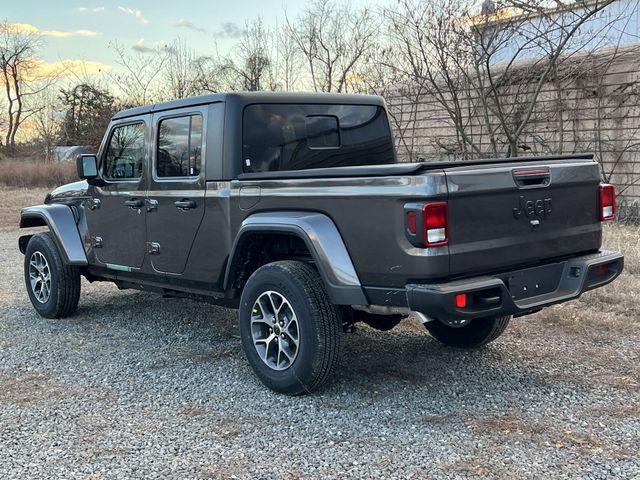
x,y
367,205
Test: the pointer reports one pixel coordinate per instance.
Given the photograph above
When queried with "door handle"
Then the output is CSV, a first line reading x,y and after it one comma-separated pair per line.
x,y
185,204
134,203
535,177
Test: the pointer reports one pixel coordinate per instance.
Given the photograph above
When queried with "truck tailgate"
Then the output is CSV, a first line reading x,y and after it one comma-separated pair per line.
x,y
521,213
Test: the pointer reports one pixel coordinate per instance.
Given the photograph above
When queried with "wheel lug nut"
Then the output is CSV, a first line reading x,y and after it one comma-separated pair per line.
x,y
282,324
282,336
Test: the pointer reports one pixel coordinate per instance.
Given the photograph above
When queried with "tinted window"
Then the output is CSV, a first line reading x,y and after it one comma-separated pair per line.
x,y
179,147
298,137
125,153
323,131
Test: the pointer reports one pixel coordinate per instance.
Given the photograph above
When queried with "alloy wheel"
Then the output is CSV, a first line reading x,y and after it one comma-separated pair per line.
x,y
275,330
40,277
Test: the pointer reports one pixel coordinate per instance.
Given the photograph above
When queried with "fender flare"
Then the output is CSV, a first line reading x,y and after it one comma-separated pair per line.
x,y
323,240
62,224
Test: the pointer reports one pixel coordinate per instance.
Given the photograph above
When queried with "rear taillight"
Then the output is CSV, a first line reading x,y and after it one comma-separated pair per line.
x,y
607,202
435,224
412,222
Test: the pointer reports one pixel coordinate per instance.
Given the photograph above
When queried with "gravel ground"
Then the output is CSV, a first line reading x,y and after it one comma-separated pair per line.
x,y
137,386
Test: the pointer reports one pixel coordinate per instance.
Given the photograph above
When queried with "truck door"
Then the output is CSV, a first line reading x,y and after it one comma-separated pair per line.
x,y
176,196
116,214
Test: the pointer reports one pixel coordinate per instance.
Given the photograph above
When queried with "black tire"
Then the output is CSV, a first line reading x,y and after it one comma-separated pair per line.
x,y
64,290
477,333
319,327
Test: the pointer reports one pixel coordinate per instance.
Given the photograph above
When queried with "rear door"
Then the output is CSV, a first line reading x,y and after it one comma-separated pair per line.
x,y
505,215
175,201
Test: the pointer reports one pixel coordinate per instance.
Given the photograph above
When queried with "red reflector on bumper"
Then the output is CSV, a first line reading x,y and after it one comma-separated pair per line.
x,y
461,300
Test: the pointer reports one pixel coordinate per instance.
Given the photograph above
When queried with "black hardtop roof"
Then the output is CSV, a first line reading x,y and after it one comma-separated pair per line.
x,y
245,98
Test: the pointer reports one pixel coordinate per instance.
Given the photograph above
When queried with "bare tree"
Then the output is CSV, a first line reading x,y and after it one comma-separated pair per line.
x,y
88,109
382,77
139,73
208,74
20,78
46,123
181,72
287,64
486,71
249,64
335,39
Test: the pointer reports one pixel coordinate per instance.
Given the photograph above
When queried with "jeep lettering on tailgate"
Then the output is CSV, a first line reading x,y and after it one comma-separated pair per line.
x,y
530,208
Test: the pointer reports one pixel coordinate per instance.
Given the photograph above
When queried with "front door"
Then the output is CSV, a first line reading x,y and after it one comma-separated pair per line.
x,y
176,195
116,217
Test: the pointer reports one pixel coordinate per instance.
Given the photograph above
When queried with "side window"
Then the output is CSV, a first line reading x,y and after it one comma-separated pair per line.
x,y
179,147
124,158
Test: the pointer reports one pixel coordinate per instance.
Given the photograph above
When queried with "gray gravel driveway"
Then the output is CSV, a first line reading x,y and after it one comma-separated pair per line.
x,y
138,386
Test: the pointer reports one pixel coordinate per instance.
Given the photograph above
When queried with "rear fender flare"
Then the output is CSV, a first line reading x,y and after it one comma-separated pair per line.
x,y
62,224
324,242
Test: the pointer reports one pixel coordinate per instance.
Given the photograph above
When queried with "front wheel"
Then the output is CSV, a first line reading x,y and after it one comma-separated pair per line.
x,y
476,333
53,287
291,333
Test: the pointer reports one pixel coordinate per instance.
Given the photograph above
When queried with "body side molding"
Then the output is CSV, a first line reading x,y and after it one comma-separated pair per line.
x,y
323,241
62,224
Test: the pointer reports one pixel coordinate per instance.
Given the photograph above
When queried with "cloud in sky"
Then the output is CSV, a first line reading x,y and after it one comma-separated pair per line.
x,y
141,47
229,30
90,9
66,68
28,28
136,12
188,24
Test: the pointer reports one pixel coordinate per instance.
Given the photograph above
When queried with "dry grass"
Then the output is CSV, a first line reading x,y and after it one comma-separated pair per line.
x,y
612,308
625,239
27,173
12,200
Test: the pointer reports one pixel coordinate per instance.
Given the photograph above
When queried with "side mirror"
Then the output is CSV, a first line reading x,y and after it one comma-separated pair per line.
x,y
87,167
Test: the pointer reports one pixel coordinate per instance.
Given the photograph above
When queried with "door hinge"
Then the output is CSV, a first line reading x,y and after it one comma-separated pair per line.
x,y
96,242
152,204
93,203
153,248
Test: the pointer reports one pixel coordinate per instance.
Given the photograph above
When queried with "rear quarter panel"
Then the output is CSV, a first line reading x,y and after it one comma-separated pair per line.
x,y
368,212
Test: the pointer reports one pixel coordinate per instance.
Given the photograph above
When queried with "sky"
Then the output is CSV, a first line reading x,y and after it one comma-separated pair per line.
x,y
82,30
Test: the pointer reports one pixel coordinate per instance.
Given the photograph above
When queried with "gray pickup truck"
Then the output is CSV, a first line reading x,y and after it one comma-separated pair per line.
x,y
294,209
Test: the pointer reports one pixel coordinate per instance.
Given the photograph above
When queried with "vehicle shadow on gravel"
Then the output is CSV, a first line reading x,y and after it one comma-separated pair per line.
x,y
380,361
373,362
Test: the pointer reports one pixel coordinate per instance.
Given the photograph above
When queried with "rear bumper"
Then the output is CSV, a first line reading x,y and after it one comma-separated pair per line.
x,y
517,292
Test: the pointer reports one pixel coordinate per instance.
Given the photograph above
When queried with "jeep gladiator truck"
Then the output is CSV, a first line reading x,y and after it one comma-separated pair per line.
x,y
294,209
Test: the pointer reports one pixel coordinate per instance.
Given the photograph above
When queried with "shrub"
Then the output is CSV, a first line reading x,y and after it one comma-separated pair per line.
x,y
28,173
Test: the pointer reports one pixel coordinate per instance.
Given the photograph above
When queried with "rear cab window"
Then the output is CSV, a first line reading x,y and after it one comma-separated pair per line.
x,y
280,137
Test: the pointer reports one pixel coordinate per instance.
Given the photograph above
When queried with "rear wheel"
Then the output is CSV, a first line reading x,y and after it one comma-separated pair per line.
x,y
53,287
476,333
291,333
